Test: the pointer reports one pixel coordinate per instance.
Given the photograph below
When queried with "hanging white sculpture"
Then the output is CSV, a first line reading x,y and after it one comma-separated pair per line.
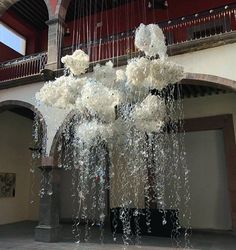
x,y
108,88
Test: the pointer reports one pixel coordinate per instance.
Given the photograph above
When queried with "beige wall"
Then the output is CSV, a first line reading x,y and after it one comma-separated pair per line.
x,y
210,106
209,202
202,147
203,107
15,157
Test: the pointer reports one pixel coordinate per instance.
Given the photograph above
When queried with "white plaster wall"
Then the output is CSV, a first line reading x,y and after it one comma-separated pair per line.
x,y
15,157
209,203
219,61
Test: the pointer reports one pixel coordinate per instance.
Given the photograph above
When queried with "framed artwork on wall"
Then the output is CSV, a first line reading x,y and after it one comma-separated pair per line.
x,y
7,185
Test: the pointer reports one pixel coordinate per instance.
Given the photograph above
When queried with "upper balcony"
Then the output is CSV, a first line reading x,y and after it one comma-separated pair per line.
x,y
204,29
23,39
200,30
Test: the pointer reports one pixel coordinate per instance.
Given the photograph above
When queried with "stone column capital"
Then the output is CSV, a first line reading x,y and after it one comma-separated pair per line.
x,y
55,20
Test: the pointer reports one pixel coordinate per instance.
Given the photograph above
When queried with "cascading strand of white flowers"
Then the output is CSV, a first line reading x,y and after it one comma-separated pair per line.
x,y
114,106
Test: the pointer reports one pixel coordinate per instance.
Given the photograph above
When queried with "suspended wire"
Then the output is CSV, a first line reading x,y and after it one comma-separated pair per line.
x,y
74,26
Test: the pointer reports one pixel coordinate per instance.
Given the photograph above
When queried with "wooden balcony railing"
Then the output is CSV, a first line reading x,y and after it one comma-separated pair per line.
x,y
200,25
182,30
21,67
196,27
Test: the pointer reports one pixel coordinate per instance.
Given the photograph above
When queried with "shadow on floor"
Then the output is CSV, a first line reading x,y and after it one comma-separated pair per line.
x,y
20,236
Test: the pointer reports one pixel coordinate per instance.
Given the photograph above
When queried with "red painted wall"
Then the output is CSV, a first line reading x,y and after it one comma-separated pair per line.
x,y
179,8
130,16
7,53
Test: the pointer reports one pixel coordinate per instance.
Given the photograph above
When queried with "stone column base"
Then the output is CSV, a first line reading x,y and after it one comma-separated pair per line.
x,y
48,233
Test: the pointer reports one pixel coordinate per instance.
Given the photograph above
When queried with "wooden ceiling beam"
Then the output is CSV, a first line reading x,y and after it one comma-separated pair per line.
x,y
34,12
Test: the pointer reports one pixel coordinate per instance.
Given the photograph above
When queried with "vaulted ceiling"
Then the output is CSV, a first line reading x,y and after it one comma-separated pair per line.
x,y
80,8
33,12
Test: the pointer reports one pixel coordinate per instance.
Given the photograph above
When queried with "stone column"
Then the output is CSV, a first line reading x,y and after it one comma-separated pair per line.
x,y
55,38
49,228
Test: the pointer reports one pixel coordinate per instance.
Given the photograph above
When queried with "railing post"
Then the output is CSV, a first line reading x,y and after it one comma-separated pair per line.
x,y
55,37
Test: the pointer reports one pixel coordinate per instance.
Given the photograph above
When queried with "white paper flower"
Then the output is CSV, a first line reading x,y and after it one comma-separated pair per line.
x,y
137,70
142,38
121,76
99,100
163,73
91,131
105,74
77,63
151,40
61,93
149,115
158,45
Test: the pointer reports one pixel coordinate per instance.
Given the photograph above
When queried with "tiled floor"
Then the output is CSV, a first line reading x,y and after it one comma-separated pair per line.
x,y
20,236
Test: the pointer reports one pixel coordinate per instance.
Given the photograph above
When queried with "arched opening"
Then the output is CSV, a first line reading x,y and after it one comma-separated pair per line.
x,y
65,152
210,143
19,198
24,39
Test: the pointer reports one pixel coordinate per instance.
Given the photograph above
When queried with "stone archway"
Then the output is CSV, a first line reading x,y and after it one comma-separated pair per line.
x,y
217,120
66,174
6,105
61,7
209,80
16,157
58,133
6,4
49,229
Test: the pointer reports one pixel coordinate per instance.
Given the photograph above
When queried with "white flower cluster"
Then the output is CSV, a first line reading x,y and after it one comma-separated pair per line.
x,y
157,74
107,88
150,114
77,63
90,131
120,76
105,74
151,40
163,73
99,100
137,70
61,93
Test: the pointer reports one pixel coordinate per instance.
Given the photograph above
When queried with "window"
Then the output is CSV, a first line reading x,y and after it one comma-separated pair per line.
x,y
12,39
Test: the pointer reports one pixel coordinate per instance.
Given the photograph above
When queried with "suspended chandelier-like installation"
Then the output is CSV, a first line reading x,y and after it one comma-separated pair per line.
x,y
123,140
